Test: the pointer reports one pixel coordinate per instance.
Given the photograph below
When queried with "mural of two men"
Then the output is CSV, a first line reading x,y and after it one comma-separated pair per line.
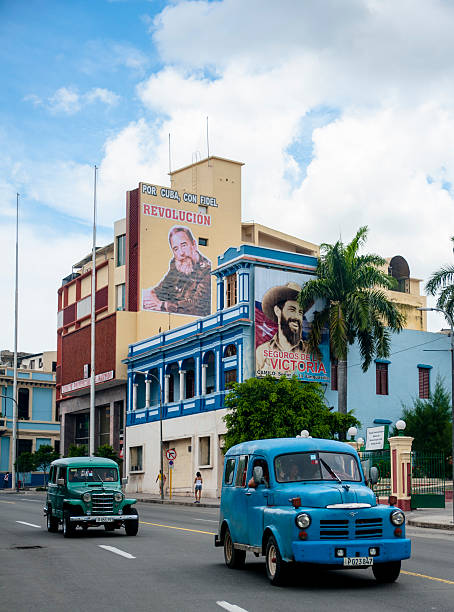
x,y
186,288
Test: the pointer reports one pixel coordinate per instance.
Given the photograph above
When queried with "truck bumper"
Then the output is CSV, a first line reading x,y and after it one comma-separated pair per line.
x,y
325,552
110,518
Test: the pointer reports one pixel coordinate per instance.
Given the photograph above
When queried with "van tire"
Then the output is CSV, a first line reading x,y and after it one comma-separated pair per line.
x,y
69,528
276,568
386,572
234,558
132,526
52,522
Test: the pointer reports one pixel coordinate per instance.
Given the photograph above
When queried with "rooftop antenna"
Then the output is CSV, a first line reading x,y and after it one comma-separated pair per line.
x,y
208,144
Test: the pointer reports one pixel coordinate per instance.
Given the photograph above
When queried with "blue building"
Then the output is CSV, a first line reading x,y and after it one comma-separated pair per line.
x,y
258,329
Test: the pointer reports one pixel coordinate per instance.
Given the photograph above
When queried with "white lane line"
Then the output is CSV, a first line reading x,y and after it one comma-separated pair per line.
x,y
230,607
29,524
117,551
207,520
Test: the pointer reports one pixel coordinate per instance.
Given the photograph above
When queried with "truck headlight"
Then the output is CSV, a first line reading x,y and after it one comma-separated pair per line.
x,y
118,497
303,520
397,518
86,497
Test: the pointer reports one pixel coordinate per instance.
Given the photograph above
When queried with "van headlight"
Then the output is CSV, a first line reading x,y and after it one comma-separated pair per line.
x,y
86,497
303,520
397,518
118,497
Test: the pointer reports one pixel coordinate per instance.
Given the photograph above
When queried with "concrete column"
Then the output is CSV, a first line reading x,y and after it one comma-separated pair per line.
x,y
134,396
204,378
147,393
166,388
182,385
400,449
217,370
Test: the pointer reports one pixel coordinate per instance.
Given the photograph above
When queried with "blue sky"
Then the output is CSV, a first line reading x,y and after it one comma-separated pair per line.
x,y
341,112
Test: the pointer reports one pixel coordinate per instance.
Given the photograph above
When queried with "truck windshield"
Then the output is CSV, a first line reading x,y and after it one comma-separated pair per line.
x,y
297,467
92,474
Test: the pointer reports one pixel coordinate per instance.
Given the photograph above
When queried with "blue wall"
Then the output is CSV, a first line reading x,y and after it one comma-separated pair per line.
x,y
42,404
408,349
4,453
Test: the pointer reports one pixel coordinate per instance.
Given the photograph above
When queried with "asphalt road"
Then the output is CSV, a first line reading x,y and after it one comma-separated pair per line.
x,y
172,565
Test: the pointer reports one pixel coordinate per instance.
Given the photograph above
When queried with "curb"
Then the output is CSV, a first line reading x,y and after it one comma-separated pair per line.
x,y
169,502
429,525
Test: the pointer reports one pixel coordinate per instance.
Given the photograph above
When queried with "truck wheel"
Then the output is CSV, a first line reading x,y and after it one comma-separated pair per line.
x,y
132,526
386,572
234,558
52,522
69,528
276,569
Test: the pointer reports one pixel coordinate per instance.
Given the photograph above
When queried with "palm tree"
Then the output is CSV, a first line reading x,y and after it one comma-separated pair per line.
x,y
356,306
443,279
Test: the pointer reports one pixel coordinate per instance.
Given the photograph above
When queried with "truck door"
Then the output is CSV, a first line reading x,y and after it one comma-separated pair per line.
x,y
239,507
257,501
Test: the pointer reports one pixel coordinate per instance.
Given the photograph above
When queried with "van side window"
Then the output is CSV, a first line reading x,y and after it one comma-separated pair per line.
x,y
229,471
62,473
264,465
52,472
241,471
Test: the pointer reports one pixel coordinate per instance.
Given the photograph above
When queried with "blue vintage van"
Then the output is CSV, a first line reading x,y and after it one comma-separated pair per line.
x,y
306,500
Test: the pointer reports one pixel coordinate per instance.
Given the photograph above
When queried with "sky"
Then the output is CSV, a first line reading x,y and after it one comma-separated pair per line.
x,y
341,111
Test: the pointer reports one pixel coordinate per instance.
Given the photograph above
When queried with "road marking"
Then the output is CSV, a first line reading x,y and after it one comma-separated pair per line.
x,y
117,551
207,520
428,577
179,528
6,502
29,524
231,607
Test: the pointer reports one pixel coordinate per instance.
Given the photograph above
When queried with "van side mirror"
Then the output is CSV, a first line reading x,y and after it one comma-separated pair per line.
x,y
257,475
124,481
373,475
61,482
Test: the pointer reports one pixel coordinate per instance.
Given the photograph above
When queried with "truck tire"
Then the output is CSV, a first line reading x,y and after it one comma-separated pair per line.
x,y
69,528
52,522
276,568
234,558
132,526
386,572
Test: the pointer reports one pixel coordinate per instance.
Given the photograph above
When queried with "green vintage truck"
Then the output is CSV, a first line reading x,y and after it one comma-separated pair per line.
x,y
86,492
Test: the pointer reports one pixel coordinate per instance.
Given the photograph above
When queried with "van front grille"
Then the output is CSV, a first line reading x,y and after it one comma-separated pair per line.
x,y
102,503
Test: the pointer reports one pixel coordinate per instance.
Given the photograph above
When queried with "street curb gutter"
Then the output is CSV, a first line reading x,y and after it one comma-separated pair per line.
x,y
429,525
169,502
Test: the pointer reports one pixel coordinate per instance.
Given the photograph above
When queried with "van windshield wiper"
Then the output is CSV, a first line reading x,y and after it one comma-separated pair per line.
x,y
330,470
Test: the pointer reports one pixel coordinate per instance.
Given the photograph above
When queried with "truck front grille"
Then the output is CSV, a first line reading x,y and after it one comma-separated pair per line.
x,y
333,530
102,503
369,528
362,528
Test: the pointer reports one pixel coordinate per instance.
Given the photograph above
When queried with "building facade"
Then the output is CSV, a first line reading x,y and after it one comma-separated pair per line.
x,y
37,422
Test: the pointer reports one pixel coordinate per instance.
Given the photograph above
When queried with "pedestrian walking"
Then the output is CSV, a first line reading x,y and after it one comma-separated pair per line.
x,y
5,480
198,487
161,483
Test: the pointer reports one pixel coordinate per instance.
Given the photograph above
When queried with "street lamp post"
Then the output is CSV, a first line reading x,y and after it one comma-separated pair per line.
x,y
149,375
451,325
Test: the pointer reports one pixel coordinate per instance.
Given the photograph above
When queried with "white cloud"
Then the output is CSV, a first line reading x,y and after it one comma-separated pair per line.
x,y
68,101
102,95
65,100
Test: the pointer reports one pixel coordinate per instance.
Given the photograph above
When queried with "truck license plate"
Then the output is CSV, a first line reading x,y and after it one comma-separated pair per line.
x,y
358,561
104,519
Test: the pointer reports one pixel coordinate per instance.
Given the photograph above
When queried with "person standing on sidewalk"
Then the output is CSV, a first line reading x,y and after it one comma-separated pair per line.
x,y
161,482
198,487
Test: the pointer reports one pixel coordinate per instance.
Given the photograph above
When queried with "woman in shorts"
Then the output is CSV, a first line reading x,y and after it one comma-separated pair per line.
x,y
198,487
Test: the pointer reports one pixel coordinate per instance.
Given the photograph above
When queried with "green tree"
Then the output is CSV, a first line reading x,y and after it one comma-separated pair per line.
x,y
75,450
25,463
443,281
109,452
357,307
429,421
267,407
43,457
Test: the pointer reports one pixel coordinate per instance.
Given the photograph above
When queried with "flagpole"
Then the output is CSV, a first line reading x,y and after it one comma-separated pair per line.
x,y
14,440
93,317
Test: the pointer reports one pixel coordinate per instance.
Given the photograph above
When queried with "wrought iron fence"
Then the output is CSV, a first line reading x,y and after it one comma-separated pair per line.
x,y
428,480
382,461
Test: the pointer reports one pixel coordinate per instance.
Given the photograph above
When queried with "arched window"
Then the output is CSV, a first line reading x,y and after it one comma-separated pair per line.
x,y
230,351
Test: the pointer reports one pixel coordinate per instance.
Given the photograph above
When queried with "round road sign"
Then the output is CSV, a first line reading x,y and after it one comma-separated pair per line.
x,y
171,454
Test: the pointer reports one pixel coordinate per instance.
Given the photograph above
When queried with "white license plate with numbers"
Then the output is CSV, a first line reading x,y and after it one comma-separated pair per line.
x,y
104,519
358,561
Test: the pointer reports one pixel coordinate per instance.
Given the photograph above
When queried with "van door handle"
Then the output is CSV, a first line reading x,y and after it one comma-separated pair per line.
x,y
248,492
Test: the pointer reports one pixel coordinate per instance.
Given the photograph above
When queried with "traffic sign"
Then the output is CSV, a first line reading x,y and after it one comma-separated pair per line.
x,y
171,463
171,454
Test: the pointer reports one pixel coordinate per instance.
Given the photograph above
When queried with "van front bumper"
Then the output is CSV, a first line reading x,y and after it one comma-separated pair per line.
x,y
325,552
110,518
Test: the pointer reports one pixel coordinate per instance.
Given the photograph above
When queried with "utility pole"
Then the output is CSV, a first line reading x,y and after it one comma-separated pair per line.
x,y
14,436
93,329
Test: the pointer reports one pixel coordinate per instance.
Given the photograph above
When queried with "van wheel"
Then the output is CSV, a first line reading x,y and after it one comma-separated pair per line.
x,y
69,528
386,572
132,526
276,569
52,522
234,558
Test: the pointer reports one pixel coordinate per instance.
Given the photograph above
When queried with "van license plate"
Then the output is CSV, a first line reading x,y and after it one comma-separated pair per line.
x,y
358,561
104,519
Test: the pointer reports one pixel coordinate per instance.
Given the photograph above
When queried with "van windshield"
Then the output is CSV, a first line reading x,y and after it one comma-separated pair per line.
x,y
92,474
297,467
